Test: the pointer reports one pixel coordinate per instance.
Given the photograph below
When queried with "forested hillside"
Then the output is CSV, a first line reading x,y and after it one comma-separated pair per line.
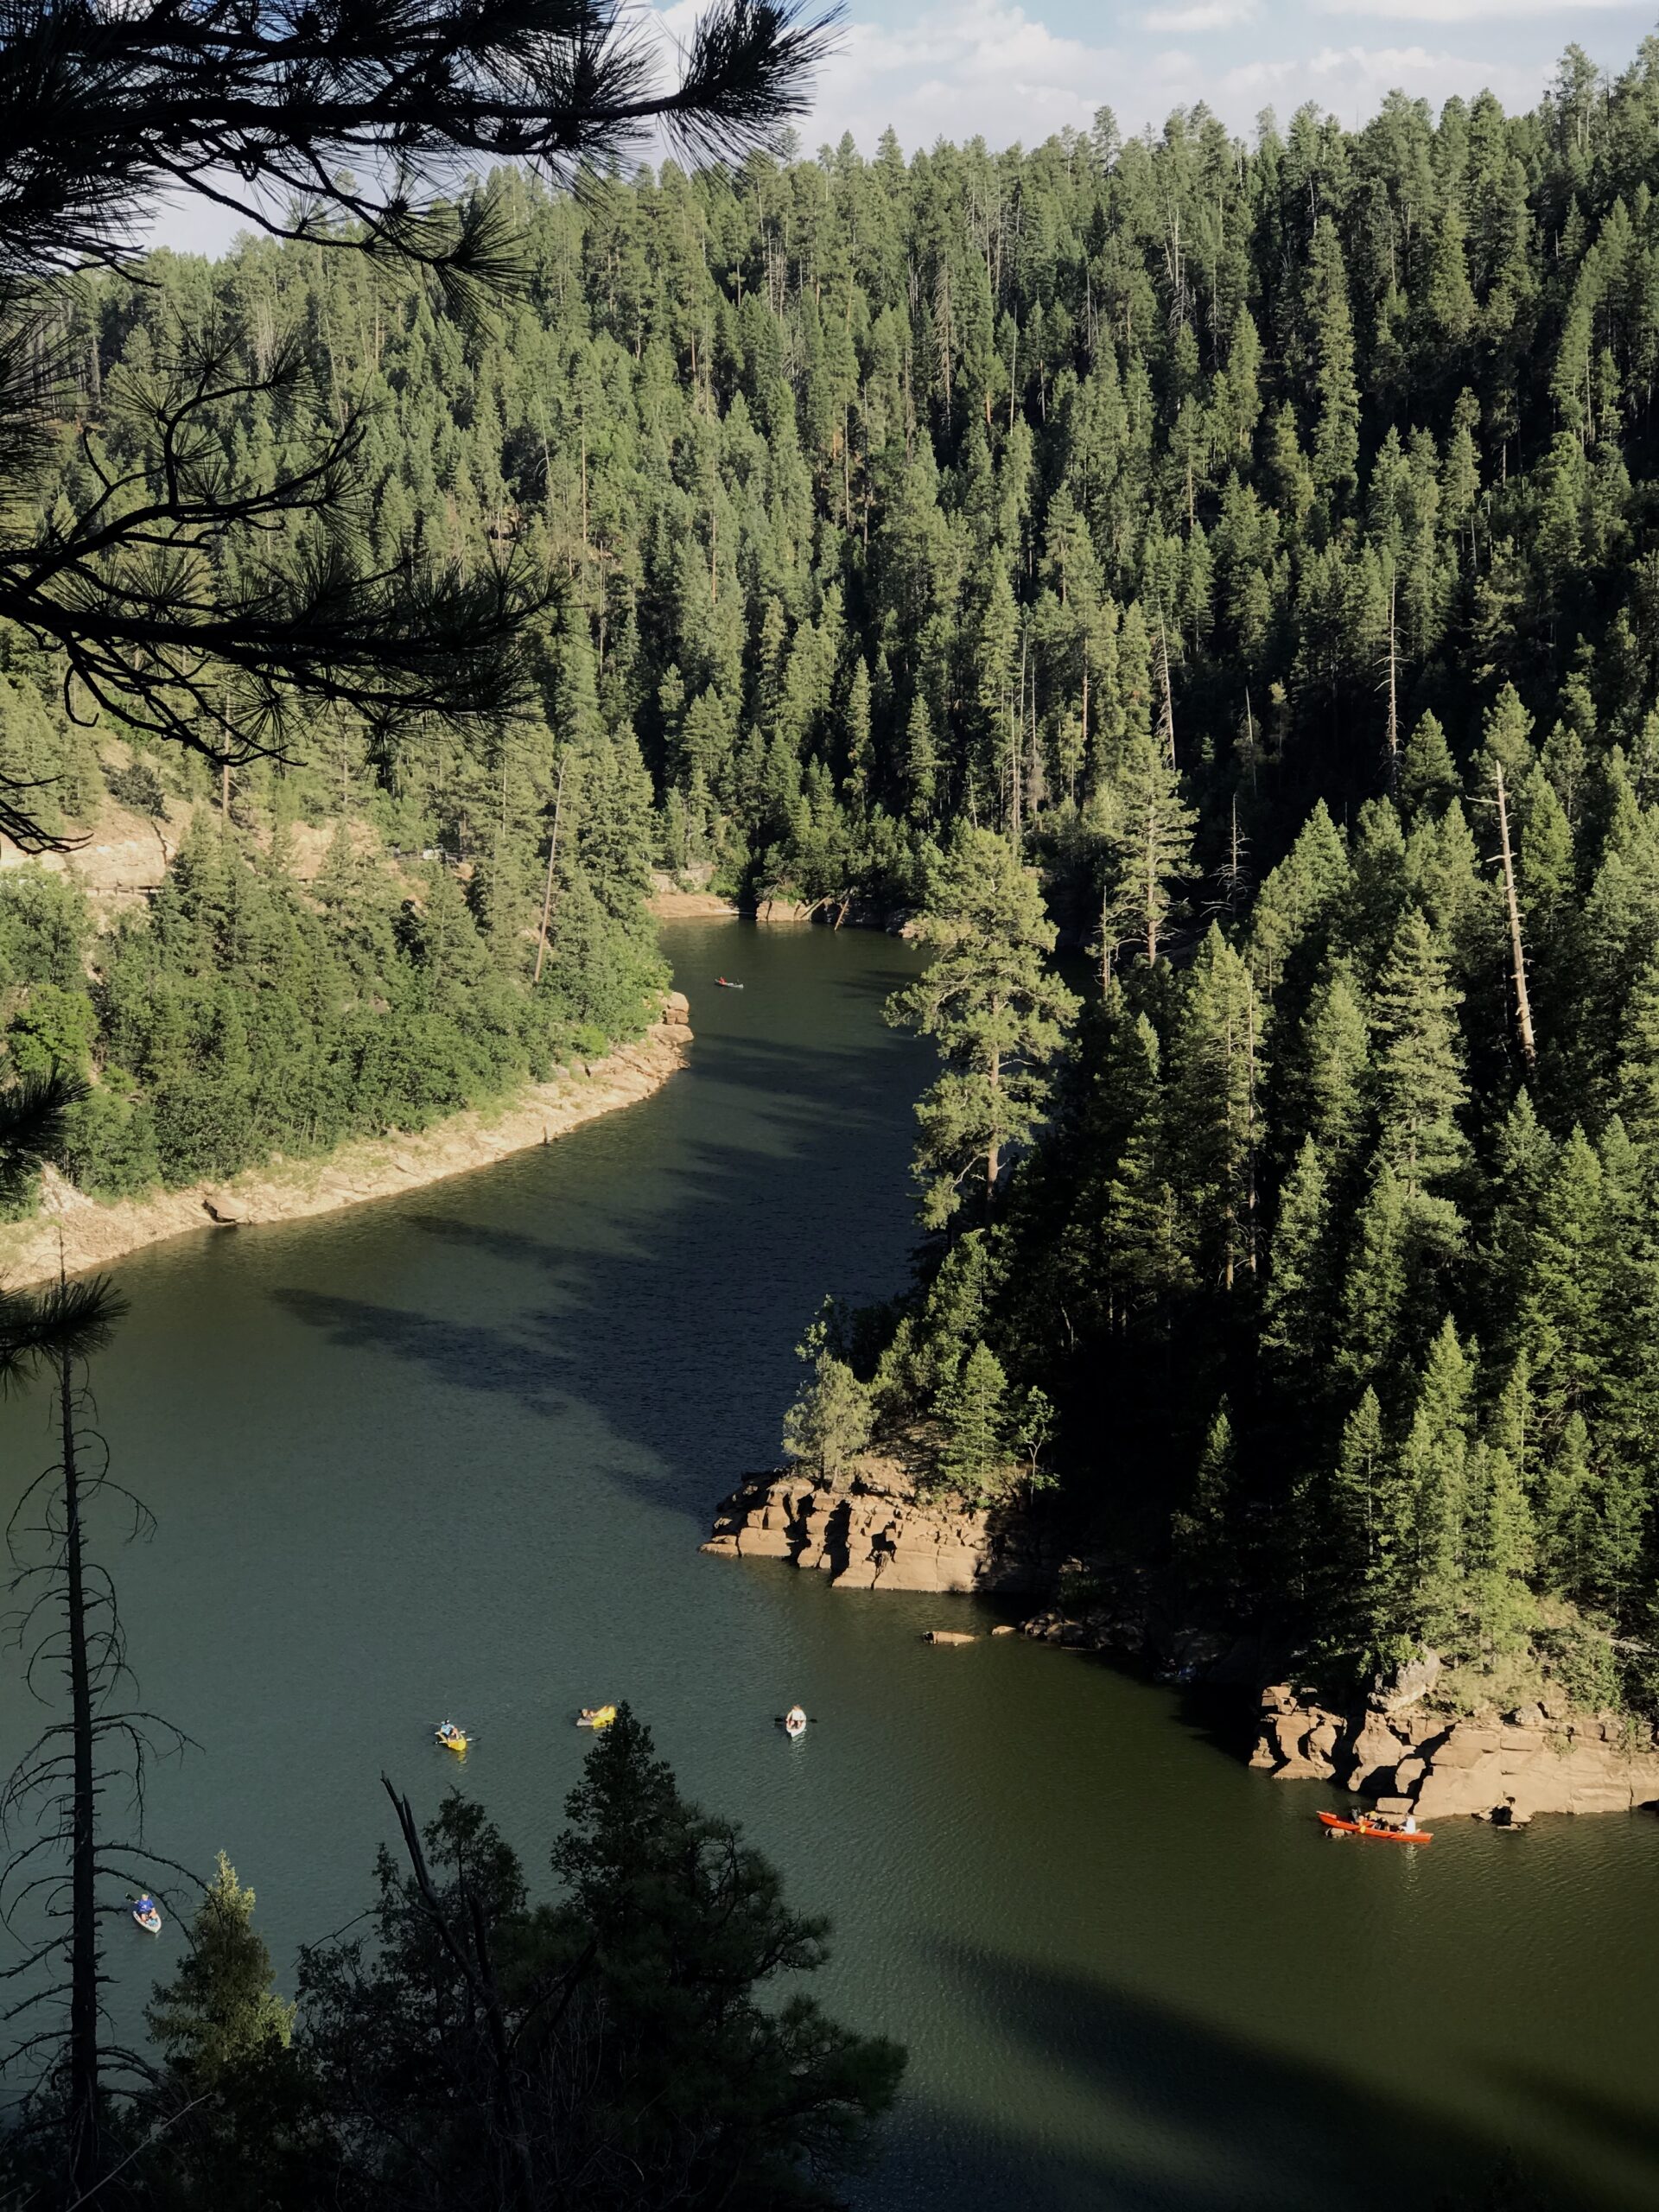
x,y
1250,539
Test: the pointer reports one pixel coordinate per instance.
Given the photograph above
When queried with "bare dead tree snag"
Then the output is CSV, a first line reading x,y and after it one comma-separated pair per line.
x,y
66,1857
1517,955
552,855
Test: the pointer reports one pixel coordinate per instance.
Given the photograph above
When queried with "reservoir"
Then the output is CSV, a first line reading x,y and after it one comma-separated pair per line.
x,y
453,1454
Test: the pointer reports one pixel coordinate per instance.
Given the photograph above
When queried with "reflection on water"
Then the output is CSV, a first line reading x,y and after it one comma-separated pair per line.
x,y
454,1453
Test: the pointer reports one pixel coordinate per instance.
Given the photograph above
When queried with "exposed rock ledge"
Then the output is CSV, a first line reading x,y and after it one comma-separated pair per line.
x,y
871,1531
93,1234
1537,1758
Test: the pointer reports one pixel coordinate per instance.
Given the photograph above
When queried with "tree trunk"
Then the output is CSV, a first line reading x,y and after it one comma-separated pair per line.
x,y
1394,696
994,1156
552,855
1523,1003
1083,726
83,1904
1017,763
1167,721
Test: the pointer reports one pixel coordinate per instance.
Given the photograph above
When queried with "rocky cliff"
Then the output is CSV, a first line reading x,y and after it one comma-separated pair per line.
x,y
1408,1756
872,1530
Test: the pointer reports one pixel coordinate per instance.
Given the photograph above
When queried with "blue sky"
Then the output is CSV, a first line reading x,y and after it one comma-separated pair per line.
x,y
954,68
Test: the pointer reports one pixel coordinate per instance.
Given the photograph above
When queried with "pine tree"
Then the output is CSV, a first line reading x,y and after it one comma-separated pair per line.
x,y
1421,1089
1213,1086
1429,777
219,2015
1335,439
1150,850
1326,1070
1203,1533
1564,1317
997,1012
1356,1587
1435,1468
1297,1306
973,1407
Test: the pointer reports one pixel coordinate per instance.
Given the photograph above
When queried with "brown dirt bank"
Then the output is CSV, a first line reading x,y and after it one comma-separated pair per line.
x,y
93,1233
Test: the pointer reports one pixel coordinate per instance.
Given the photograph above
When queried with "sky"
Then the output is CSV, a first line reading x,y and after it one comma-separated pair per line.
x,y
1009,73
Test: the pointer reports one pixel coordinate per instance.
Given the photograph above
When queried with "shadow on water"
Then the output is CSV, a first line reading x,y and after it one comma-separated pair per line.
x,y
1188,2115
455,1453
674,1313
1594,2112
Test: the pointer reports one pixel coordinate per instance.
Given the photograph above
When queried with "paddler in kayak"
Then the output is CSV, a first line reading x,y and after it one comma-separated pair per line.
x,y
795,1720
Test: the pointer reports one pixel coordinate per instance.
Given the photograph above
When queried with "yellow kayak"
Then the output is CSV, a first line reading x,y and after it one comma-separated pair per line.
x,y
453,1739
600,1717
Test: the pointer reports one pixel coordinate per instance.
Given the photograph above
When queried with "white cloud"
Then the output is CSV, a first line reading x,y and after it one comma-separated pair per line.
x,y
1473,12
1211,16
967,68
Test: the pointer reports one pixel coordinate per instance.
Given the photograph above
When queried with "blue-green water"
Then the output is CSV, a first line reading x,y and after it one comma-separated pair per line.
x,y
454,1453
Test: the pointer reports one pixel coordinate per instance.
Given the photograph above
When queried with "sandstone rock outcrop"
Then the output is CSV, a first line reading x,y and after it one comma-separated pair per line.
x,y
871,1531
1437,1765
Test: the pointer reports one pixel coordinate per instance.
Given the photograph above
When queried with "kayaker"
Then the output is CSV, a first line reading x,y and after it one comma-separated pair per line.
x,y
795,1718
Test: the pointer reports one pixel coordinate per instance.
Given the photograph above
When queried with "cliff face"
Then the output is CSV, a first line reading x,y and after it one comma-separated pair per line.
x,y
870,1531
1537,1758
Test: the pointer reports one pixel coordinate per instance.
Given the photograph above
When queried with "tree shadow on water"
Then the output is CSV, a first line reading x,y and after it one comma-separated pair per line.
x,y
661,1271
1187,2114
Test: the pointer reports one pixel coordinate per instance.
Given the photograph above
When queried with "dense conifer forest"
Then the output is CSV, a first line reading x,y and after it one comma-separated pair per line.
x,y
1252,544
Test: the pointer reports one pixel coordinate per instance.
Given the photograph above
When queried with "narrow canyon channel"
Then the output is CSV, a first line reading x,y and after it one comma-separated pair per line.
x,y
453,1454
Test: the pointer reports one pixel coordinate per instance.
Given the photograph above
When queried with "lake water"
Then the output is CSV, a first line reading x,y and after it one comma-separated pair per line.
x,y
454,1453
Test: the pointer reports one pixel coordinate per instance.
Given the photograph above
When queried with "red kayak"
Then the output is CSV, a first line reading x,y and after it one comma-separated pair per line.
x,y
1338,1825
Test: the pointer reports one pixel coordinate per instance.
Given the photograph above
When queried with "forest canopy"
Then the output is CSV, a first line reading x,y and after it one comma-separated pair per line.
x,y
1255,538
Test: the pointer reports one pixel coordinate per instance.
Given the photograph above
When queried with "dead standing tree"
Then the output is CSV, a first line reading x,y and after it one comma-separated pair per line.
x,y
67,1856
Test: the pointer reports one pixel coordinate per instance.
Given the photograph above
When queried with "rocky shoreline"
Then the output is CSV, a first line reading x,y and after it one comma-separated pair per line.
x,y
1405,1755
86,1232
1401,1752
872,1531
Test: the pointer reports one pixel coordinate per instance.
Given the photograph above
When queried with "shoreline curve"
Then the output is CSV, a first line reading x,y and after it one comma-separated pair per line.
x,y
79,1233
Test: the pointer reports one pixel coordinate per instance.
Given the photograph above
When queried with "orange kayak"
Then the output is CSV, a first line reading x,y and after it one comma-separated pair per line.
x,y
1334,1821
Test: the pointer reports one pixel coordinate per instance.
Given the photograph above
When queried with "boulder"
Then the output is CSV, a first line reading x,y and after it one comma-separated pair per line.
x,y
1410,1684
1458,1790
763,1543
1525,1716
1285,1733
857,1574
677,1009
1463,1745
1373,1755
1005,1628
